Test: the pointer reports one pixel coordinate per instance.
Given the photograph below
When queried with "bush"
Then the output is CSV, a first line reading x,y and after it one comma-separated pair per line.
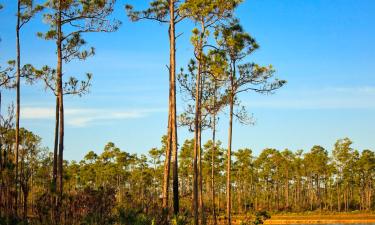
x,y
132,217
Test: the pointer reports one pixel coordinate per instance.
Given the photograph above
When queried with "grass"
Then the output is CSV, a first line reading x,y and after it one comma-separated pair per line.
x,y
354,217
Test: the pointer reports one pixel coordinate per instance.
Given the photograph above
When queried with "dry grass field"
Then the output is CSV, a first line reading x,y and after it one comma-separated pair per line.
x,y
314,219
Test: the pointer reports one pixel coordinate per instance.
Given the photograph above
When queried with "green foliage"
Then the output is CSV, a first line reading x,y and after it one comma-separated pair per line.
x,y
132,217
117,187
259,218
237,45
74,18
181,219
158,11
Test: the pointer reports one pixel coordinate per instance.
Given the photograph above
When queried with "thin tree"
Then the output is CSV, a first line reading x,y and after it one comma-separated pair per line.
x,y
167,11
212,101
206,14
25,11
217,72
238,44
68,21
188,83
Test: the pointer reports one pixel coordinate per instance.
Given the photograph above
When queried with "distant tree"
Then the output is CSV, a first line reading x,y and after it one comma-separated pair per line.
x,y
267,168
366,170
155,155
30,153
186,169
244,173
345,157
213,161
317,164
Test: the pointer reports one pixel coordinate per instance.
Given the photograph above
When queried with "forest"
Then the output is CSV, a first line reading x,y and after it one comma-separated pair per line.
x,y
197,181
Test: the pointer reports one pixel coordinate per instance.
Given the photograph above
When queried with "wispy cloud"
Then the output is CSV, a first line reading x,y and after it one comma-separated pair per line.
x,y
81,117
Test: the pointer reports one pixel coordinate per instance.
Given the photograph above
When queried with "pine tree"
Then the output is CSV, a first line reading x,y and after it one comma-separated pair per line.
x,y
167,11
68,20
237,44
25,11
206,14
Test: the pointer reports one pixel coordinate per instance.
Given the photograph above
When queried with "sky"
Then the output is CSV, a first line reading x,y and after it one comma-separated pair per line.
x,y
325,49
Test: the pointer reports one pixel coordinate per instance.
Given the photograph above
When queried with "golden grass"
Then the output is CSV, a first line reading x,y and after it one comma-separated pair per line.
x,y
342,218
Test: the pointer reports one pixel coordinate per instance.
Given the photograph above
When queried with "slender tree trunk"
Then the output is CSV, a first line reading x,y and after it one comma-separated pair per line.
x,y
200,182
167,164
369,198
239,199
61,106
229,153
213,164
154,195
196,145
1,132
218,201
173,96
18,97
55,157
25,197
197,127
200,175
287,191
338,197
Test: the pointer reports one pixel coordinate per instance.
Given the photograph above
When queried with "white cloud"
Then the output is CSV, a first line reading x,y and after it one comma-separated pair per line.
x,y
37,113
80,117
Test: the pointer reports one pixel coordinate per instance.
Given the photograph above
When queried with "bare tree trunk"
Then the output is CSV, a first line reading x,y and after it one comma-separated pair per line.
x,y
197,135
229,153
196,145
287,190
1,148
213,165
25,197
167,164
200,175
200,182
18,98
173,112
338,197
55,156
61,108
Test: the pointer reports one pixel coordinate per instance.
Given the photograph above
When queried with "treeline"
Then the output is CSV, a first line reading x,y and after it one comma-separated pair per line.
x,y
117,187
275,180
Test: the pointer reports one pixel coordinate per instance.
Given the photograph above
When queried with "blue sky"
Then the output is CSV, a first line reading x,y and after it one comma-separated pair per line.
x,y
325,49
